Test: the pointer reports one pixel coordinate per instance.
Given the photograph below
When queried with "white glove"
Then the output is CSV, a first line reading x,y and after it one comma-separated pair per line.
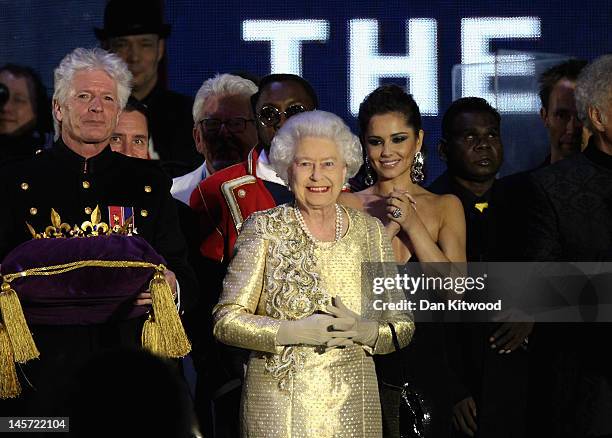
x,y
367,330
316,329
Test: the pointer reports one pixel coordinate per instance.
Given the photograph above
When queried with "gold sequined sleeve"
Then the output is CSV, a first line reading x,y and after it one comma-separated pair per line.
x,y
235,320
402,322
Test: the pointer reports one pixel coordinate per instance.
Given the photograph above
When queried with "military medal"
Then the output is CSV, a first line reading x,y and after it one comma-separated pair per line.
x,y
120,216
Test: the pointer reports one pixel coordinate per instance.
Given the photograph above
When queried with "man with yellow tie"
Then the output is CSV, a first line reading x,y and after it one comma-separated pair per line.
x,y
472,149
488,363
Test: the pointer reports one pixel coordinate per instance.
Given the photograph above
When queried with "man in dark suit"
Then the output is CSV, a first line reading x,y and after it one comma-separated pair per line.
x,y
487,358
571,220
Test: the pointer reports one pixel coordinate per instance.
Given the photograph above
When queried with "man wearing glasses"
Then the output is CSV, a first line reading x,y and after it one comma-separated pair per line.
x,y
224,129
228,197
224,132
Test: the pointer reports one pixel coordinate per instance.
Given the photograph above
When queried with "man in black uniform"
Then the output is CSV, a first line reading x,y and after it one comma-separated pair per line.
x,y
134,30
79,173
487,357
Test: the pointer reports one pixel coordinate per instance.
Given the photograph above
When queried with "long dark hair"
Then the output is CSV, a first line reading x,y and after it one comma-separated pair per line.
x,y
389,99
385,99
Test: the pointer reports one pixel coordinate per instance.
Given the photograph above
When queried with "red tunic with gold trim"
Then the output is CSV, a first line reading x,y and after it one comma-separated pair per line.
x,y
224,201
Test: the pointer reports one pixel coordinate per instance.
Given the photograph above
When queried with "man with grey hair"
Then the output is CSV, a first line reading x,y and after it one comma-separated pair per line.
x,y
571,221
82,179
224,133
224,129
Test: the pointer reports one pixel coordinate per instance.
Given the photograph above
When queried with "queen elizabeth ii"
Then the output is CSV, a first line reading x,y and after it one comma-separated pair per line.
x,y
296,295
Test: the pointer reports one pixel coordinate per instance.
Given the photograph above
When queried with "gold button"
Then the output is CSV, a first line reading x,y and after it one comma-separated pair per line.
x,y
86,184
25,186
241,193
144,213
33,211
148,189
87,210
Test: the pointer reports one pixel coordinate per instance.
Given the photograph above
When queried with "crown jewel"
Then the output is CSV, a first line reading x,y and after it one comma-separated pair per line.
x,y
91,228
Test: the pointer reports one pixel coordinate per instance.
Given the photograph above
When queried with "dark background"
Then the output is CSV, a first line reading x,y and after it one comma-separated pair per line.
x,y
207,38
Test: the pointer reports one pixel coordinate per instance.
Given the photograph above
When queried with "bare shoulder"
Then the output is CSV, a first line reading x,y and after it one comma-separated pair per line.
x,y
451,209
441,201
451,202
443,207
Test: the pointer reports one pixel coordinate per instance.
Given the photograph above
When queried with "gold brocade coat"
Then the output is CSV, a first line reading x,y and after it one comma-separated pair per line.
x,y
278,273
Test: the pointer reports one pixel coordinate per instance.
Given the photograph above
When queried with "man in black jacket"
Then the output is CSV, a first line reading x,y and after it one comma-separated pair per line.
x,y
135,31
77,175
571,221
490,365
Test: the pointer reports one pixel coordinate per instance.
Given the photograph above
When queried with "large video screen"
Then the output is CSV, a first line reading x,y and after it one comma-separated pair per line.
x,y
344,48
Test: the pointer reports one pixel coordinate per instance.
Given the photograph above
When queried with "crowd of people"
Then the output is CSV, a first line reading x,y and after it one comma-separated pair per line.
x,y
265,208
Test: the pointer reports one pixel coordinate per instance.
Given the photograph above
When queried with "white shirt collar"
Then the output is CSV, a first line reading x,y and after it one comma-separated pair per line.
x,y
183,186
265,171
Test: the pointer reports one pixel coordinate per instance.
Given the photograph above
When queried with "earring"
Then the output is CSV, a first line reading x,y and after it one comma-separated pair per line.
x,y
369,179
416,170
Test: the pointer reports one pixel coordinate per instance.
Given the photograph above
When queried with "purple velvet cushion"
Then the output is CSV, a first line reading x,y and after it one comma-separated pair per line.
x,y
89,295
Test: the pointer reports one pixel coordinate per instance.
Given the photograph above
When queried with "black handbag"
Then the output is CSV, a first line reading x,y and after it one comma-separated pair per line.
x,y
404,412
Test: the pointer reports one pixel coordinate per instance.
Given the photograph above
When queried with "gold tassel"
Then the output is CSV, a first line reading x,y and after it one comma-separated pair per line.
x,y
175,341
17,328
151,337
9,383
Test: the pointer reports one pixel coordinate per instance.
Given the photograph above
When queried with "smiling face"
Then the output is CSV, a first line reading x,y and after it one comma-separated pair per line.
x,y
17,114
474,150
391,144
317,173
89,115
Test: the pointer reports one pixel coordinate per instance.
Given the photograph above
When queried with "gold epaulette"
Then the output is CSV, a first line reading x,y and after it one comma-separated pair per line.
x,y
227,189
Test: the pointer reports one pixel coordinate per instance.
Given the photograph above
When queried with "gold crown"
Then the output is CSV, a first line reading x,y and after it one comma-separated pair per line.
x,y
91,228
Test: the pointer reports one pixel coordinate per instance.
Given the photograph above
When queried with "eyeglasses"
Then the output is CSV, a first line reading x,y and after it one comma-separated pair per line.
x,y
270,116
235,125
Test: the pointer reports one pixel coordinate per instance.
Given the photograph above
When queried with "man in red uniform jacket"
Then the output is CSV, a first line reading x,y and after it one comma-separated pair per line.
x,y
228,197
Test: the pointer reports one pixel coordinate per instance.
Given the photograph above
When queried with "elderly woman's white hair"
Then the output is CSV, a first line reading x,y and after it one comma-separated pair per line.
x,y
594,89
220,86
319,124
90,59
